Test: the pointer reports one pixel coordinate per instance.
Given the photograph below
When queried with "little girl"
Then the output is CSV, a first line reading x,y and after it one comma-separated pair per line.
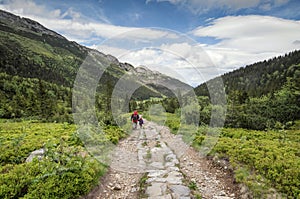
x,y
141,122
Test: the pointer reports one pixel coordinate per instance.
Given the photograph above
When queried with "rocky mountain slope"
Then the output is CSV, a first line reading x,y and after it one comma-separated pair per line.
x,y
30,50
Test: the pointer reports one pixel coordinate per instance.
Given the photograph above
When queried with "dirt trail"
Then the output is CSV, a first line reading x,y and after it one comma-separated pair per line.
x,y
170,169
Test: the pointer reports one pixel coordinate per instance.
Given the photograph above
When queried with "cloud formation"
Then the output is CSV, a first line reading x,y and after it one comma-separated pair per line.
x,y
242,40
239,40
253,33
247,39
203,6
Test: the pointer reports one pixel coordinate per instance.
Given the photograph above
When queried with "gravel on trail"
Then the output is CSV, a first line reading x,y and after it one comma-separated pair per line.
x,y
155,164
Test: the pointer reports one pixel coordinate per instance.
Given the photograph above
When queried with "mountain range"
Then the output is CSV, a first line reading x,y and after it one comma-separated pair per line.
x,y
38,68
30,50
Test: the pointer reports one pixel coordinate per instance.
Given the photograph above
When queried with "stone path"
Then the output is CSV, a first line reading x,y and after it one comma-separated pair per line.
x,y
155,164
162,167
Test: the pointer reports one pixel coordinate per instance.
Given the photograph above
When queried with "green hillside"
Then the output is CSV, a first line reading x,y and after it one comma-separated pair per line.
x,y
38,68
262,95
260,78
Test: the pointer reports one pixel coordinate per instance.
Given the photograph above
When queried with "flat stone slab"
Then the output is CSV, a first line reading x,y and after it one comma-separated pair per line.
x,y
221,197
168,196
156,189
180,190
157,165
156,173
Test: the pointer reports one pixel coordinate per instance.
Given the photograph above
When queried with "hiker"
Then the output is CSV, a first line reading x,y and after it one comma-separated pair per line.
x,y
134,118
141,122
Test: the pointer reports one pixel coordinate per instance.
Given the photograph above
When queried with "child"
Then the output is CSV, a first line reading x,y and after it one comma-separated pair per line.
x,y
141,122
134,118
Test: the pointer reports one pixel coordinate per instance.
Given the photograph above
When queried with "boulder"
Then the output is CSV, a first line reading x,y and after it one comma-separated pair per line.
x,y
37,153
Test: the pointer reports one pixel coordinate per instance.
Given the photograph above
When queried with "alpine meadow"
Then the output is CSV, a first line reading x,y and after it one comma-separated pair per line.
x,y
258,142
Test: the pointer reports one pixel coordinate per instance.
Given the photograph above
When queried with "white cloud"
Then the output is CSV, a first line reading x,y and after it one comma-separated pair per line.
x,y
167,63
185,61
254,33
115,51
243,39
248,39
73,25
28,8
203,6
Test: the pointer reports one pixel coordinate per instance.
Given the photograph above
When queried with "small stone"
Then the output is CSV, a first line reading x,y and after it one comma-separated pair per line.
x,y
222,193
117,187
133,190
221,197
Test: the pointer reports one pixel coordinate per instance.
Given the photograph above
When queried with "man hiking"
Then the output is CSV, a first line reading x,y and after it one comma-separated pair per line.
x,y
134,118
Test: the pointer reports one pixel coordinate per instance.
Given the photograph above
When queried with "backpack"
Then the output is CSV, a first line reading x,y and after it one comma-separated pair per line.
x,y
135,117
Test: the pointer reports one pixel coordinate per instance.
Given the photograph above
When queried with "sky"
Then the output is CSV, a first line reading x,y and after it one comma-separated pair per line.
x,y
192,40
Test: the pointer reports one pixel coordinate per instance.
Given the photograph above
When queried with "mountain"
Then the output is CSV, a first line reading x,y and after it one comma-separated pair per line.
x,y
260,78
38,68
166,85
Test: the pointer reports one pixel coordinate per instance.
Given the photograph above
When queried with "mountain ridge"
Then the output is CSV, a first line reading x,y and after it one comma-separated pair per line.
x,y
260,78
30,29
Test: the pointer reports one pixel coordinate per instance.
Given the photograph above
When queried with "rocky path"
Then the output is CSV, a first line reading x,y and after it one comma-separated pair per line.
x,y
155,164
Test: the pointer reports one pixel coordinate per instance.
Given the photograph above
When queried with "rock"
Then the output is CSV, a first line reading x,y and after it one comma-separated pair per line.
x,y
133,189
158,165
221,197
37,153
117,187
180,190
222,193
244,189
156,173
156,189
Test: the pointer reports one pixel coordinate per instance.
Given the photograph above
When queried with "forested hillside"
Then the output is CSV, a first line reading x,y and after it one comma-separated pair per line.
x,y
38,68
262,95
260,78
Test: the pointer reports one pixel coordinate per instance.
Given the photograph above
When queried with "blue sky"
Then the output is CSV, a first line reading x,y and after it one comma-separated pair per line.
x,y
193,40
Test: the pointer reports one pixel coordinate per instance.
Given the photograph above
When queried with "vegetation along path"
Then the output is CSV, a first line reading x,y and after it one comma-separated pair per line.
x,y
155,164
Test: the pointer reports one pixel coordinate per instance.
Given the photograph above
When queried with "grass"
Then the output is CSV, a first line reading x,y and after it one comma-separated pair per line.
x,y
143,186
262,160
148,155
158,145
192,186
62,173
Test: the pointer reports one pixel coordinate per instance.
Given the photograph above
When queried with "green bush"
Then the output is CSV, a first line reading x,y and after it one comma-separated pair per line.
x,y
263,159
114,133
65,171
